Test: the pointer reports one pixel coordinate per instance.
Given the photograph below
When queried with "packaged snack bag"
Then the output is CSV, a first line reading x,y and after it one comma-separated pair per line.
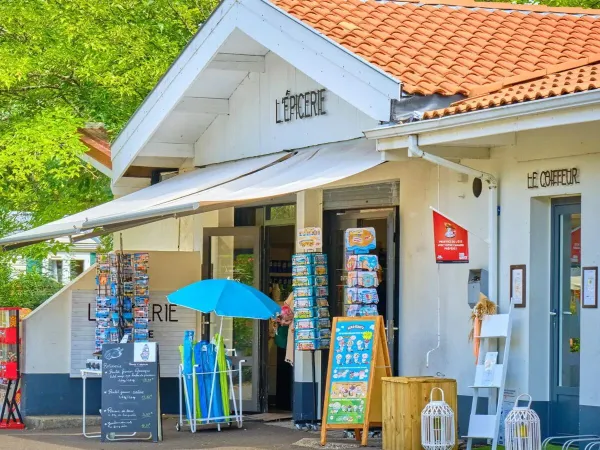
x,y
302,324
320,269
351,262
302,270
304,291
352,279
321,291
304,302
367,262
302,259
320,280
304,313
367,296
303,281
320,258
368,279
306,334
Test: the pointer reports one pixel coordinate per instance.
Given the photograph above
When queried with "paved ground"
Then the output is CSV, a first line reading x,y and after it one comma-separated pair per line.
x,y
253,436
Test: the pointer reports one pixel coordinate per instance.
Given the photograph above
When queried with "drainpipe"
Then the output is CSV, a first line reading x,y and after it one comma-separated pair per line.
x,y
415,151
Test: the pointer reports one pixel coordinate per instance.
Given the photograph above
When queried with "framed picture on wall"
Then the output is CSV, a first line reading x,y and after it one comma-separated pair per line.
x,y
589,287
518,285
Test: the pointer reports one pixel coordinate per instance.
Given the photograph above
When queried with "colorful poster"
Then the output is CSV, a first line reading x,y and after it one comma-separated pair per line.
x,y
309,239
350,372
451,241
576,246
360,240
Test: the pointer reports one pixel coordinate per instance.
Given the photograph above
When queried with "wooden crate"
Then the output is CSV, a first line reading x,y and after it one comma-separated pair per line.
x,y
403,401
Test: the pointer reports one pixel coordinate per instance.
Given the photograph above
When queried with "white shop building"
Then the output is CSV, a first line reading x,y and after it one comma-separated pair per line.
x,y
272,119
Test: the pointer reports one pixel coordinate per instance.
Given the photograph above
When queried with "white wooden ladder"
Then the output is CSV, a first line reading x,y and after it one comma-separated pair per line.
x,y
494,329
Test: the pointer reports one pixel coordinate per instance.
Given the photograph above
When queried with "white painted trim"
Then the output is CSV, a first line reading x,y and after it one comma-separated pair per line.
x,y
59,293
203,105
564,110
162,149
243,63
96,164
359,83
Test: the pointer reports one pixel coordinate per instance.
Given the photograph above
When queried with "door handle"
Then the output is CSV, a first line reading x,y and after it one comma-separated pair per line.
x,y
567,313
553,312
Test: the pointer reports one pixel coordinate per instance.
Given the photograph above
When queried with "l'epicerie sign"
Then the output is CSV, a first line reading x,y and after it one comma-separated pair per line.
x,y
300,106
550,178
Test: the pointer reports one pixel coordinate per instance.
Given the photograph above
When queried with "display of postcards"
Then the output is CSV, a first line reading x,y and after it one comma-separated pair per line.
x,y
320,269
322,312
305,313
324,322
321,280
127,304
141,280
98,344
322,301
141,313
306,291
141,258
321,291
140,335
127,320
320,258
114,335
115,319
305,334
303,259
114,288
114,303
324,333
303,281
128,331
141,300
309,344
128,288
141,323
303,270
102,313
102,333
302,324
142,290
103,323
102,302
304,302
102,279
355,296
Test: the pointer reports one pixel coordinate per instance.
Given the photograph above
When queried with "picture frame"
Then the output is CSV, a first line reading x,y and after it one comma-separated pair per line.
x,y
518,285
589,287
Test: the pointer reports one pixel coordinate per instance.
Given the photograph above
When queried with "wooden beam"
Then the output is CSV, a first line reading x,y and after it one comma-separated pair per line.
x,y
203,105
243,63
165,149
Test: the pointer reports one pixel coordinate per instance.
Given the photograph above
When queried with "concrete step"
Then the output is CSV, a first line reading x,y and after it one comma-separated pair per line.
x,y
58,422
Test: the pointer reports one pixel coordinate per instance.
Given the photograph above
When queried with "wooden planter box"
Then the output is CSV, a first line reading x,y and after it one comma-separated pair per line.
x,y
403,401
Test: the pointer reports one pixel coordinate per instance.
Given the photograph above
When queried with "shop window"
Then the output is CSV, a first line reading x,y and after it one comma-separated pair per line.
x,y
59,271
76,268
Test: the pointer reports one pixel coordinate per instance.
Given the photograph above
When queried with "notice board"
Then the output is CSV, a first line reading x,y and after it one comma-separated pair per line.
x,y
130,392
358,359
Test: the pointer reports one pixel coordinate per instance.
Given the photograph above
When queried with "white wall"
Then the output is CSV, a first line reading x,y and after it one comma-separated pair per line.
x,y
250,128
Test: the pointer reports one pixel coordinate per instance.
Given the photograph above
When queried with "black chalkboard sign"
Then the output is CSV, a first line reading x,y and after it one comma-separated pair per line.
x,y
130,394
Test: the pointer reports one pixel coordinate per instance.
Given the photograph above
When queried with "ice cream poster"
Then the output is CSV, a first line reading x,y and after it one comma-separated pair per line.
x,y
350,371
451,241
309,239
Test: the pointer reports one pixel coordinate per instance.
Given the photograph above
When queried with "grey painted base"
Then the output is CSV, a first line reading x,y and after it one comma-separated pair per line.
x,y
59,394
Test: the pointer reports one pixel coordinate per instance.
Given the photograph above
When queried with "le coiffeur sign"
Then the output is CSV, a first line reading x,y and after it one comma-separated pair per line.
x,y
451,241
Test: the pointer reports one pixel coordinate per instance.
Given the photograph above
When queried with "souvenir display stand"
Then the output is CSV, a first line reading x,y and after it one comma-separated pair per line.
x,y
358,360
206,374
361,273
10,373
122,298
312,323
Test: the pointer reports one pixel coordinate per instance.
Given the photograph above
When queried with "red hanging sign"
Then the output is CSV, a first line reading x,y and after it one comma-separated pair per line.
x,y
451,240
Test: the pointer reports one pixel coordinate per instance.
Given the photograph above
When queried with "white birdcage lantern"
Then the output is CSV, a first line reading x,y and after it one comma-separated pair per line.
x,y
437,424
522,428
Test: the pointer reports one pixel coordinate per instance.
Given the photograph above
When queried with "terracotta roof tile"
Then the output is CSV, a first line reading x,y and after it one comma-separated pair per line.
x,y
481,43
566,82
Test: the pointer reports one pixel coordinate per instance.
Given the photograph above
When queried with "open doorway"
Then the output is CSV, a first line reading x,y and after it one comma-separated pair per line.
x,y
280,242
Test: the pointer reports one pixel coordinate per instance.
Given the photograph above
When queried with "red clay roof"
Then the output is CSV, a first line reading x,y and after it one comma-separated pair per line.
x,y
98,144
458,47
568,82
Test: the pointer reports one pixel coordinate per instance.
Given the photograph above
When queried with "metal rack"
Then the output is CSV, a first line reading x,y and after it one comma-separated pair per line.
x,y
10,368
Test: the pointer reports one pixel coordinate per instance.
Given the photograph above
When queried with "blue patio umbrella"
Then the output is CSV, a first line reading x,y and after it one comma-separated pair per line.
x,y
226,298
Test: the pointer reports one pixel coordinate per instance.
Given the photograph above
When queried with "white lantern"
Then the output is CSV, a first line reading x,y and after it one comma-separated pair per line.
x,y
437,424
522,428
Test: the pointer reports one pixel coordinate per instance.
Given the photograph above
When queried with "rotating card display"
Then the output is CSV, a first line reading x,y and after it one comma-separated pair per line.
x,y
360,292
312,323
122,298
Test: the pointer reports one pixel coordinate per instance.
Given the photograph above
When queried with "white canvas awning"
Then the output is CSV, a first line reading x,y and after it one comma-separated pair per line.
x,y
168,190
305,169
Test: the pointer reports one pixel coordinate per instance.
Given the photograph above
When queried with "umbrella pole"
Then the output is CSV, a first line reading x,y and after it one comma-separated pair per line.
x,y
212,387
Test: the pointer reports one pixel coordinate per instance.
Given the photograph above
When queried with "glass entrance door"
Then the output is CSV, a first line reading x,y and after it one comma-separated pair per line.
x,y
565,316
234,253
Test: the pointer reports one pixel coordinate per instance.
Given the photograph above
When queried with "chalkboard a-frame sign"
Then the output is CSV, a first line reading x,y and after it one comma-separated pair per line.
x,y
130,394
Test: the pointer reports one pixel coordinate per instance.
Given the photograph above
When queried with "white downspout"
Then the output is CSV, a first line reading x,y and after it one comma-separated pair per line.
x,y
415,151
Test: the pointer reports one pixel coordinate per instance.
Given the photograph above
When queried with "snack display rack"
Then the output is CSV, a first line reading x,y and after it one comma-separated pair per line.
x,y
122,298
360,292
10,373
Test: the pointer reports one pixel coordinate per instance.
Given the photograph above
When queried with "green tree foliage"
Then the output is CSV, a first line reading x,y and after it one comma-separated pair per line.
x,y
64,63
555,3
